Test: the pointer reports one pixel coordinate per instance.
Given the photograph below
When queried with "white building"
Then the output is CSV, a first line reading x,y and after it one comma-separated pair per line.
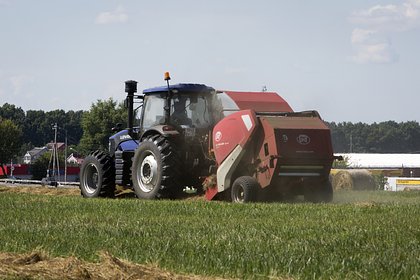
x,y
32,155
409,164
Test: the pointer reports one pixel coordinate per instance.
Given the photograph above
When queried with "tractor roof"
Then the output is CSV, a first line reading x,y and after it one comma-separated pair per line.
x,y
185,88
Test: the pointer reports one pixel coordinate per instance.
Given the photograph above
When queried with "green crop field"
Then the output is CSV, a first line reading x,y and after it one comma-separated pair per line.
x,y
361,235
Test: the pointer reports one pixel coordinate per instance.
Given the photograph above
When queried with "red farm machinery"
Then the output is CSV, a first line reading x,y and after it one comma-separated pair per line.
x,y
235,146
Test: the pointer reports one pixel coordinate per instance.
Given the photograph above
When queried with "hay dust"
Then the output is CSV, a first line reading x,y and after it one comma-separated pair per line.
x,y
38,265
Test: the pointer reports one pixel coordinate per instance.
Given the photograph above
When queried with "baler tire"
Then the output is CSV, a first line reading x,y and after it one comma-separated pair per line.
x,y
155,170
321,193
245,189
97,176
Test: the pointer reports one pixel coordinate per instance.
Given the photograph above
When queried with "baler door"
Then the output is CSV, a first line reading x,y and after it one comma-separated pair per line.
x,y
303,145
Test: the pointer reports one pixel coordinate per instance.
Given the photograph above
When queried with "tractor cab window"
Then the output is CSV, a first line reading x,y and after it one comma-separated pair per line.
x,y
190,110
153,111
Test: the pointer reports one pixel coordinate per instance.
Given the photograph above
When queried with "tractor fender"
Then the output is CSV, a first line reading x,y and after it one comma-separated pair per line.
x,y
165,130
121,141
129,145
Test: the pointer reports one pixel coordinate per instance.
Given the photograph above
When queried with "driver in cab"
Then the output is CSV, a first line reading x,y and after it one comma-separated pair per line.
x,y
179,115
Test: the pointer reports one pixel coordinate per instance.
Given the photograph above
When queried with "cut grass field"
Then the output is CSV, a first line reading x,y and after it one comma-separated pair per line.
x,y
361,235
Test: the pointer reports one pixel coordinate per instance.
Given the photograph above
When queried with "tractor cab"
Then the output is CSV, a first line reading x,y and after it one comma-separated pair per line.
x,y
180,108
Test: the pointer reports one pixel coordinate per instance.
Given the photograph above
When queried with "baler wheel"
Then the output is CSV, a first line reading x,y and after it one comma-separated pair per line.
x,y
155,170
97,176
318,193
245,189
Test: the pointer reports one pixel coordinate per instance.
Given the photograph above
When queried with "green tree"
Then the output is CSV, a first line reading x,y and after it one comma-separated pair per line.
x,y
11,112
10,140
35,131
97,124
383,137
40,166
73,126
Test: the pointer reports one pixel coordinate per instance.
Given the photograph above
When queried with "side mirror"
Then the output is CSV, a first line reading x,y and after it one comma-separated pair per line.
x,y
117,127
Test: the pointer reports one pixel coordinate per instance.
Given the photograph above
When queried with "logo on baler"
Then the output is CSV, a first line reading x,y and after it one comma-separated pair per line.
x,y
303,139
218,136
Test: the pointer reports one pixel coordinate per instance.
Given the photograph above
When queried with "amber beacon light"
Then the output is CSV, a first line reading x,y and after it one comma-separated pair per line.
x,y
167,76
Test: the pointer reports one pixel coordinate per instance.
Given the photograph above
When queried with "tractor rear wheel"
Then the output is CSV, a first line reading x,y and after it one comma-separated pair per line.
x,y
155,169
319,192
245,189
97,175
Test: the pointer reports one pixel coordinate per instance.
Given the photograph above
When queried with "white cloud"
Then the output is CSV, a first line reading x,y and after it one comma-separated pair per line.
x,y
390,17
361,35
375,26
375,53
117,16
371,47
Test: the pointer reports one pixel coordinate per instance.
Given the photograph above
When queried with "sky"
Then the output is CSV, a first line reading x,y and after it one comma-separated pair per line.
x,y
356,61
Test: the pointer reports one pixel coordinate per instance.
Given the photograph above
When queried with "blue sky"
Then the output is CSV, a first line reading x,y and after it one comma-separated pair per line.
x,y
350,60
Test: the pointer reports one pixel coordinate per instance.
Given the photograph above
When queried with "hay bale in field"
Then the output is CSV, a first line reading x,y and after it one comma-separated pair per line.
x,y
353,179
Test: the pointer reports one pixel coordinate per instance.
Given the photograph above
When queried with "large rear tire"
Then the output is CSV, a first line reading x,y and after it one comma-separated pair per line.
x,y
97,175
245,189
319,192
156,169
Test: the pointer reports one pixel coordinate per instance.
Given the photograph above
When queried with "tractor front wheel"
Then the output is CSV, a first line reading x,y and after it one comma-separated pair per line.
x,y
97,175
245,189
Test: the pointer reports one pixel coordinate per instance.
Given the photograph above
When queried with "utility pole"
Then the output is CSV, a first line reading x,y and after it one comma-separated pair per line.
x,y
54,149
65,158
55,155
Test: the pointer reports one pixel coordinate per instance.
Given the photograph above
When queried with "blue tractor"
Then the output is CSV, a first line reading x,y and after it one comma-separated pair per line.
x,y
166,152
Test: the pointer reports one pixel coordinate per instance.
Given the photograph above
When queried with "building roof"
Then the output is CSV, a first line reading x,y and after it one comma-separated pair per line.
x,y
36,151
60,145
382,161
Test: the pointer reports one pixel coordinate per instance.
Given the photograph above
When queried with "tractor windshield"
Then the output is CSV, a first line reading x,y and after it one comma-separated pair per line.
x,y
154,113
191,110
186,109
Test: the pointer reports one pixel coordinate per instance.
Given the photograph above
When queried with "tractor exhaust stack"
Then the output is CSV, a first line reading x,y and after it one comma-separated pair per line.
x,y
130,89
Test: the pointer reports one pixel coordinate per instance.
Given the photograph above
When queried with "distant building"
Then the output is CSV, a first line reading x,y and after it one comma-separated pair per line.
x,y
32,155
407,164
60,146
74,159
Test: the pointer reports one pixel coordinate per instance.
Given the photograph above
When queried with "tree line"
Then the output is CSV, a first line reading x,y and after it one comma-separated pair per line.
x,y
85,131
383,137
89,130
